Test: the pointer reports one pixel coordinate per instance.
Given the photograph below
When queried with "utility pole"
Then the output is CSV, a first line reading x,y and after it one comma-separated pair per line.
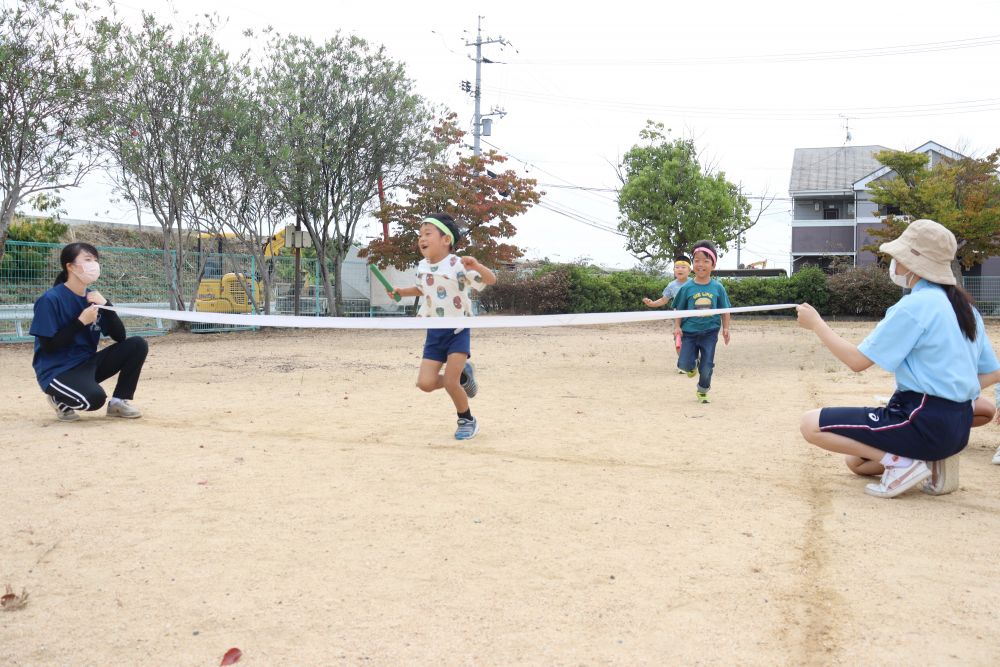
x,y
478,122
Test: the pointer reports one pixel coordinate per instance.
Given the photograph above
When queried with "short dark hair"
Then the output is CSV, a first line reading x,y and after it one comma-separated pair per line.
x,y
68,256
450,223
682,258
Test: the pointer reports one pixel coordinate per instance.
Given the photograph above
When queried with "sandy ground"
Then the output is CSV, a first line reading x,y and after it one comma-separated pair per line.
x,y
291,493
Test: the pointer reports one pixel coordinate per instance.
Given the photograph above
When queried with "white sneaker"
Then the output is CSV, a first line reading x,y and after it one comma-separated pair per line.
x,y
899,480
123,409
63,413
996,457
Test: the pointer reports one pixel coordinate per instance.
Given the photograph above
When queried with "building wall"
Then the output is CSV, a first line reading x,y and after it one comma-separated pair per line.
x,y
866,208
805,209
839,238
991,267
864,257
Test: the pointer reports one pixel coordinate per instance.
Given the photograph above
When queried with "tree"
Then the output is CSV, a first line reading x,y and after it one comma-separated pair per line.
x,y
163,121
236,195
668,201
43,102
344,114
963,195
471,192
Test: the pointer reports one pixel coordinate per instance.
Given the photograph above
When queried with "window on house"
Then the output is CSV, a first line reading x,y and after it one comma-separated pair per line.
x,y
889,209
831,214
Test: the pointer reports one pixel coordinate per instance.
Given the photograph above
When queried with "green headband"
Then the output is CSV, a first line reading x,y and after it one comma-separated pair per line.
x,y
440,225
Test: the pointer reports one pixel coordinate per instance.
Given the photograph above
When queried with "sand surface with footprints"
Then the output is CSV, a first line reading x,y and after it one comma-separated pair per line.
x,y
292,493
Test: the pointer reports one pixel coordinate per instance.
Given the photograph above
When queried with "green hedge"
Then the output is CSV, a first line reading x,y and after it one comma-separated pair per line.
x,y
574,288
28,264
808,285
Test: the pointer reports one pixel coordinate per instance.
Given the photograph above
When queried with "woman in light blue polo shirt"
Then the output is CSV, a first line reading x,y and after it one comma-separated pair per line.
x,y
934,341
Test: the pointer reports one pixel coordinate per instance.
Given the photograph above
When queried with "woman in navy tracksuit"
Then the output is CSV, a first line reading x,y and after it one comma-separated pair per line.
x,y
67,326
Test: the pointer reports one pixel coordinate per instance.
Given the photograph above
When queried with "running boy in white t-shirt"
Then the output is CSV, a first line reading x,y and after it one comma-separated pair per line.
x,y
444,283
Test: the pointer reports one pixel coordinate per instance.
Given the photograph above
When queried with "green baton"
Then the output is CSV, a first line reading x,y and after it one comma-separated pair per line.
x,y
385,283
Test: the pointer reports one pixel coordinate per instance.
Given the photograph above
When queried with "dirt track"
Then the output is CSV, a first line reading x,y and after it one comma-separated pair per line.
x,y
293,494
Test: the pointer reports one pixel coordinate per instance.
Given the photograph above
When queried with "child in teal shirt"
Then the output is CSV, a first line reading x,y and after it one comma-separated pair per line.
x,y
701,334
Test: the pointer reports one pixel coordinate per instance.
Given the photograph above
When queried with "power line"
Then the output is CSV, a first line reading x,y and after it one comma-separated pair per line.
x,y
586,188
576,187
802,56
549,173
577,218
920,110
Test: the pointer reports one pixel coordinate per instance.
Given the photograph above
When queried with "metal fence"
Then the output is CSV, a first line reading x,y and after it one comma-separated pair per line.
x,y
986,292
229,283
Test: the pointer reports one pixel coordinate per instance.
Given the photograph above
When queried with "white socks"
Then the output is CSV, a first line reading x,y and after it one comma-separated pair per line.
x,y
893,461
116,401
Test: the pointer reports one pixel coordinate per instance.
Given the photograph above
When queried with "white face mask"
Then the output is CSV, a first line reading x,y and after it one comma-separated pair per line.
x,y
901,280
91,272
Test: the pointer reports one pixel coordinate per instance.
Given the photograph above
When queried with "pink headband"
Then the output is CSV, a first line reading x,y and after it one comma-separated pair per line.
x,y
707,251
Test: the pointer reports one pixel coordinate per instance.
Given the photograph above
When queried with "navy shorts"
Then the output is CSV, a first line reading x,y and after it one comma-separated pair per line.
x,y
915,425
442,342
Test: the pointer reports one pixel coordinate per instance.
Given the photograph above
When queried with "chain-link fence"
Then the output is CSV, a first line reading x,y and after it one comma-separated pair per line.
x,y
986,292
212,282
129,277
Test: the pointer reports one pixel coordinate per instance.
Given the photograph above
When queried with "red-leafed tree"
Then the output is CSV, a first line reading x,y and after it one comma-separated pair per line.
x,y
476,191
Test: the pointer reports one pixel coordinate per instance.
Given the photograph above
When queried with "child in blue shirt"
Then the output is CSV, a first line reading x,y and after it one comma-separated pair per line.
x,y
67,325
682,269
699,335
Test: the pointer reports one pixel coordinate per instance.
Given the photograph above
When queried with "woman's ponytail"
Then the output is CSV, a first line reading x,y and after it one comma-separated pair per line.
x,y
962,304
61,278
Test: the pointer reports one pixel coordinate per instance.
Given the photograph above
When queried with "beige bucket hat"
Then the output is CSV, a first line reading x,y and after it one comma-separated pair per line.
x,y
927,248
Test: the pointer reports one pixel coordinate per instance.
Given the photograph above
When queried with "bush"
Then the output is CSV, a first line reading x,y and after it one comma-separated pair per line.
x,y
541,294
28,264
595,291
862,292
809,285
757,291
575,288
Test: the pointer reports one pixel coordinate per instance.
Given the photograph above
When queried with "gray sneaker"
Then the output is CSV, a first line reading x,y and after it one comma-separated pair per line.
x,y
123,409
63,413
469,384
467,429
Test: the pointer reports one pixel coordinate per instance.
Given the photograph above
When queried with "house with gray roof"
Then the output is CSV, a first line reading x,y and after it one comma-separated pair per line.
x,y
832,210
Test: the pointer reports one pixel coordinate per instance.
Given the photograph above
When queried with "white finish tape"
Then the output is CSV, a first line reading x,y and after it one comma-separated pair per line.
x,y
485,322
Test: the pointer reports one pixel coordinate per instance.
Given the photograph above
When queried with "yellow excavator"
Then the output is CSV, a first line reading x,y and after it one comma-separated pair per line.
x,y
227,293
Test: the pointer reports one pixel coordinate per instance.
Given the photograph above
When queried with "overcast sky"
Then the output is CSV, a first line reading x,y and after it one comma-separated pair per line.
x,y
749,82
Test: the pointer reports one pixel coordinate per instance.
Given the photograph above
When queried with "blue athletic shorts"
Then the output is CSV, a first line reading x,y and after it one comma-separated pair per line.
x,y
442,342
916,425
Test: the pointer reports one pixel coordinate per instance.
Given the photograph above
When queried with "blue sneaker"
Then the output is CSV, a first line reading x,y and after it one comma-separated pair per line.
x,y
467,429
469,383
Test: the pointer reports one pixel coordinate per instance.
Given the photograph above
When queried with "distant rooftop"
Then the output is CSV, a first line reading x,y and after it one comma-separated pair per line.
x,y
831,169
